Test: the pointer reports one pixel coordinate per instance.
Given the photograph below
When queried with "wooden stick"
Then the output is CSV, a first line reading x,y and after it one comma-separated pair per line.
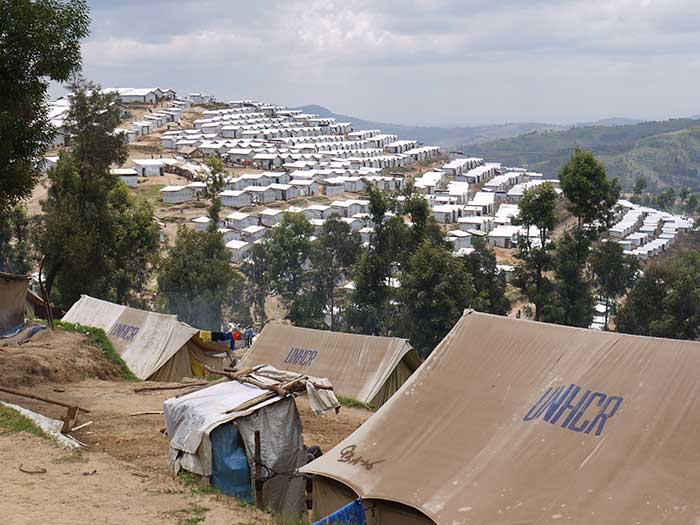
x,y
320,387
35,470
258,471
82,426
147,413
262,398
240,377
154,388
39,398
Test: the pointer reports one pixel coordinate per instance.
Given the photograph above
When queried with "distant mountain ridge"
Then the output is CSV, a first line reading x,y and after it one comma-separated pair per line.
x,y
443,136
666,153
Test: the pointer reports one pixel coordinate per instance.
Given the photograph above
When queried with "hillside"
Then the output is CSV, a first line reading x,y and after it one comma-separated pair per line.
x,y
445,137
666,152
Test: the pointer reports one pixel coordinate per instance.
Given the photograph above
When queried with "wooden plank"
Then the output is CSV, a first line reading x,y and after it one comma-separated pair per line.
x,y
39,398
70,420
176,387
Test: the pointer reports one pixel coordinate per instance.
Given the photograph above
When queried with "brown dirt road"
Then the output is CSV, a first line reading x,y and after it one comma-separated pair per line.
x,y
131,483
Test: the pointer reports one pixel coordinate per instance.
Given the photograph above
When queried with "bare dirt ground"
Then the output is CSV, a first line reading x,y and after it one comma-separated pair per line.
x,y
95,487
59,356
126,453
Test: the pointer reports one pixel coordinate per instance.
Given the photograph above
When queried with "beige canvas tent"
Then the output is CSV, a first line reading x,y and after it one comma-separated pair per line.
x,y
513,421
13,294
157,347
366,368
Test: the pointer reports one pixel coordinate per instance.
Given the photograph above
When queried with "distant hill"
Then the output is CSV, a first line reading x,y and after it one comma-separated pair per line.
x,y
445,137
666,153
614,121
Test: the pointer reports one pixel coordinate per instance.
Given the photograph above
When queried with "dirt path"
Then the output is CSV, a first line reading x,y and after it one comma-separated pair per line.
x,y
94,487
129,454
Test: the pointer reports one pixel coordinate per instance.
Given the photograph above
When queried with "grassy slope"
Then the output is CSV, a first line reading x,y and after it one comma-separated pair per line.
x,y
667,153
12,421
99,338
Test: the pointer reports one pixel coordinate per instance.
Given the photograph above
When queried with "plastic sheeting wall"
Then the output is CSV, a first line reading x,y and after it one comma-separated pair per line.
x,y
230,472
282,448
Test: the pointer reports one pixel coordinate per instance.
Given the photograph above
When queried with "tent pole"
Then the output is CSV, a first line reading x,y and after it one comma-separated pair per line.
x,y
258,471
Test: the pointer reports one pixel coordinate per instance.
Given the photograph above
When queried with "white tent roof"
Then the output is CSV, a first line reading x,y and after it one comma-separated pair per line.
x,y
145,340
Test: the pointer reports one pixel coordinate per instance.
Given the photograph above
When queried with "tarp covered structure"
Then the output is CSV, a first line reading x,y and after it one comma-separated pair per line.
x,y
366,368
514,421
202,442
13,296
155,346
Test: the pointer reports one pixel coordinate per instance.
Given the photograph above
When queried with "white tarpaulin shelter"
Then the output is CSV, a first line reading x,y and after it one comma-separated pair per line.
x,y
155,346
193,419
366,368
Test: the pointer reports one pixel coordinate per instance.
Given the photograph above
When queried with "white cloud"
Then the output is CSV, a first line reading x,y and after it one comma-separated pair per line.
x,y
413,61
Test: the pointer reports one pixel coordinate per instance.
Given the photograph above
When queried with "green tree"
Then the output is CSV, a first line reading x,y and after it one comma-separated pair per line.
x,y
39,43
256,270
433,295
196,280
640,184
665,301
288,249
94,236
591,194
332,258
691,205
423,225
216,182
90,122
613,272
135,241
537,209
14,240
489,283
666,199
105,250
572,301
370,309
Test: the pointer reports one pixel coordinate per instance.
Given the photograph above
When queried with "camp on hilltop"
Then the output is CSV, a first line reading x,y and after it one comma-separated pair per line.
x,y
514,421
155,346
368,369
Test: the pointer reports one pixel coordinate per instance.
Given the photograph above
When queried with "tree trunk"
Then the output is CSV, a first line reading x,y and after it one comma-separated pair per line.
x,y
538,300
606,312
332,309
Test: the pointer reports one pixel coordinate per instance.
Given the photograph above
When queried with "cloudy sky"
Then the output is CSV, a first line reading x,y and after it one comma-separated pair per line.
x,y
412,61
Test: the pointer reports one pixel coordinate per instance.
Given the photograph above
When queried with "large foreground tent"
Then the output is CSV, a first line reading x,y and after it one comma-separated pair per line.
x,y
13,297
366,368
513,421
156,347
